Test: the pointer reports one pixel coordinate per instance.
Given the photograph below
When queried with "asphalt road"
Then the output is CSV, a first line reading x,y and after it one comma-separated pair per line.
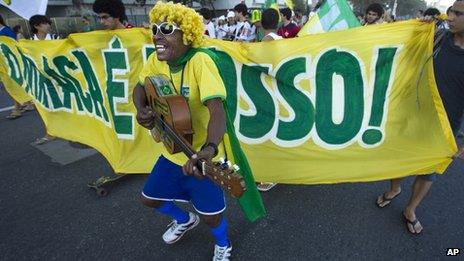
x,y
48,213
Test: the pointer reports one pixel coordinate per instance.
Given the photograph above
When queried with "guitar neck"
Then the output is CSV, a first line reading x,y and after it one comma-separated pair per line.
x,y
178,139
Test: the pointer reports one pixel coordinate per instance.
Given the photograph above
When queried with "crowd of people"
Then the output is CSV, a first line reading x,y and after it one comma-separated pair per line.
x,y
178,38
241,25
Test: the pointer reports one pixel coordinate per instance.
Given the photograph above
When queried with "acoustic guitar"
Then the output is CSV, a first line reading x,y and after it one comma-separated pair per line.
x,y
173,127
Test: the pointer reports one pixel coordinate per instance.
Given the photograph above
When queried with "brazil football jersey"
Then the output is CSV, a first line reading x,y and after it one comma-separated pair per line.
x,y
201,81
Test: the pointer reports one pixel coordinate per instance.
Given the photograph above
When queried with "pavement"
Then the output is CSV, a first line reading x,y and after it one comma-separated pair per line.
x,y
49,213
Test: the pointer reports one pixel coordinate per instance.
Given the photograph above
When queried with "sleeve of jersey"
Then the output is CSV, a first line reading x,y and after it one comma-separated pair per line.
x,y
147,69
209,80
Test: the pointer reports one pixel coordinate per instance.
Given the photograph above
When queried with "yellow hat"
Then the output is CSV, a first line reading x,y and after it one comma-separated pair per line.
x,y
255,16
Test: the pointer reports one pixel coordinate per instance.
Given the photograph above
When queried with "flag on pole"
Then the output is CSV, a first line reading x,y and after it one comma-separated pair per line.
x,y
333,15
395,6
271,4
26,8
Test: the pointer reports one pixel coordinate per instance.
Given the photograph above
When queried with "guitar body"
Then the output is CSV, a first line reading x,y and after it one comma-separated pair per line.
x,y
172,108
173,127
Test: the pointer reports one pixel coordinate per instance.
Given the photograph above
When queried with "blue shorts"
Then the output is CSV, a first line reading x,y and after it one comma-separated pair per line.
x,y
167,182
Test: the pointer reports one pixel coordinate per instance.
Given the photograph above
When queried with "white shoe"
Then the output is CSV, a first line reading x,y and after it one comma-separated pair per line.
x,y
176,231
265,186
222,253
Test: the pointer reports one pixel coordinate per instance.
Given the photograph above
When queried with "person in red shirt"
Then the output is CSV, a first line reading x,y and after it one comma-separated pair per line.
x,y
288,29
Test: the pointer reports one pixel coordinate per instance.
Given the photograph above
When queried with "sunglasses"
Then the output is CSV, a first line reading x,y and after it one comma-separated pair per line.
x,y
165,28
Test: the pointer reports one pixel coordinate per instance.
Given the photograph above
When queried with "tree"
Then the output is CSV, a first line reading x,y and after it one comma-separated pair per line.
x,y
204,3
410,7
141,2
300,5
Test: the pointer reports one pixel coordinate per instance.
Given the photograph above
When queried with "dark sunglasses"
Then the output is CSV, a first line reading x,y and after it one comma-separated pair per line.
x,y
165,28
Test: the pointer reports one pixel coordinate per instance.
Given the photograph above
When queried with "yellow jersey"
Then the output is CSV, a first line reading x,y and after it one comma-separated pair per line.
x,y
201,82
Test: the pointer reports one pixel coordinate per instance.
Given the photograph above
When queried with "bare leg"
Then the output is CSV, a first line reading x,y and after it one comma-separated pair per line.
x,y
420,188
29,106
395,189
16,112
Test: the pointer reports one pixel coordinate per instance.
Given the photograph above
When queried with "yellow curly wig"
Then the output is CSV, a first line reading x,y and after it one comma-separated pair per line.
x,y
189,21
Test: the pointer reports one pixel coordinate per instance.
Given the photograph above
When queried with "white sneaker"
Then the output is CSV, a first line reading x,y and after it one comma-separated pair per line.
x,y
176,231
265,186
222,253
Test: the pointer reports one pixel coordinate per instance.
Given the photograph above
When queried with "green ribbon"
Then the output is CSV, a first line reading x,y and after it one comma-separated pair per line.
x,y
180,62
250,202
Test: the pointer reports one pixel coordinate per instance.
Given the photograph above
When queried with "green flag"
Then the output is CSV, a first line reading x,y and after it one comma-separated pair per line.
x,y
250,202
333,15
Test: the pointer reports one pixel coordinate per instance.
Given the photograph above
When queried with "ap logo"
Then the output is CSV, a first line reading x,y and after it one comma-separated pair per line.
x,y
452,252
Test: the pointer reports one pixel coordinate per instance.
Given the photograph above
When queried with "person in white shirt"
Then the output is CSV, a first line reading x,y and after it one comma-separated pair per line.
x,y
209,26
222,28
231,26
243,30
41,27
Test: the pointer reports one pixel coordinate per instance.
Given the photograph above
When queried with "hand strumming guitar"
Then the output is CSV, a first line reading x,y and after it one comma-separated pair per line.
x,y
191,166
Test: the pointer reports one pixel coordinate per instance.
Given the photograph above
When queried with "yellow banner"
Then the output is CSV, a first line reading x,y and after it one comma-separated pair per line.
x,y
348,106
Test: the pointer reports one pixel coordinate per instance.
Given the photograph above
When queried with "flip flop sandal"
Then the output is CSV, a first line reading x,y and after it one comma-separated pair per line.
x,y
13,116
42,140
386,200
413,225
29,107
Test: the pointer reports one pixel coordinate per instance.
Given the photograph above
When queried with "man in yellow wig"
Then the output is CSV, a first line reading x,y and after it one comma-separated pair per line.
x,y
177,32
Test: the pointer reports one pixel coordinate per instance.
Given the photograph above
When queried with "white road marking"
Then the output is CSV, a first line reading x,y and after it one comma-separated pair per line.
x,y
6,108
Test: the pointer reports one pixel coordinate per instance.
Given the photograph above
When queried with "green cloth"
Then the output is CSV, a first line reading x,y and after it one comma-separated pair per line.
x,y
250,202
